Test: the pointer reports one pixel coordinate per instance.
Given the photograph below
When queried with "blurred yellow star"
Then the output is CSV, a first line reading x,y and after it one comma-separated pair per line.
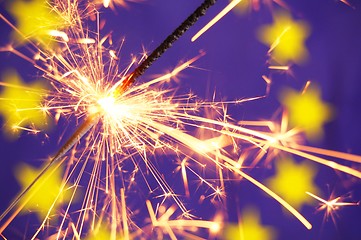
x,y
35,19
47,194
286,39
249,228
293,180
306,110
21,105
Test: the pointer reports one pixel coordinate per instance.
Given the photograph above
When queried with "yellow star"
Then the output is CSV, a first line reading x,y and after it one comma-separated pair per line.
x,y
249,228
20,105
286,39
35,19
292,181
47,194
306,111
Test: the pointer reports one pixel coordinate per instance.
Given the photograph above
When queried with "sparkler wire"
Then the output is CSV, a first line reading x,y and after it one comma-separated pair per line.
x,y
77,135
91,120
166,44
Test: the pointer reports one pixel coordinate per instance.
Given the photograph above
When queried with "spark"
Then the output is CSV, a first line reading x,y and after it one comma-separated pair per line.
x,y
31,130
347,3
112,3
220,15
268,84
180,224
61,34
307,85
332,205
106,3
85,41
277,41
283,68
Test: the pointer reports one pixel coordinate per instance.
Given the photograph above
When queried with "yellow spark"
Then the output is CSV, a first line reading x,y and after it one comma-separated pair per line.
x,y
268,82
347,3
221,14
184,176
56,33
113,55
17,128
124,215
304,90
282,68
170,225
112,3
85,40
332,205
106,3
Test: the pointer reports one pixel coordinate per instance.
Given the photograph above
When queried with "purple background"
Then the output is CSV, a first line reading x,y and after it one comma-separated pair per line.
x,y
235,62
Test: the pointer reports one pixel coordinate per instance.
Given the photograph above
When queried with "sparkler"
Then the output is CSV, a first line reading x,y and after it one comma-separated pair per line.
x,y
332,205
120,87
121,120
116,90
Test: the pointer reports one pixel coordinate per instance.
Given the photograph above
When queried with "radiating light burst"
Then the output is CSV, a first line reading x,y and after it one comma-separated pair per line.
x,y
123,130
112,3
332,205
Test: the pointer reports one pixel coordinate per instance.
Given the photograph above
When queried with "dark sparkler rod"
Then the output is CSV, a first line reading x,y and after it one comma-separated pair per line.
x,y
166,44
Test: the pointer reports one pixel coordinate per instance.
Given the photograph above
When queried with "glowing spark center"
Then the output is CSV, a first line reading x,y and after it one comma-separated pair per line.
x,y
114,109
107,104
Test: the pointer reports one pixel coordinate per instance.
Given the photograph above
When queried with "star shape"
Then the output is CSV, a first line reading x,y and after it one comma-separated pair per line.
x,y
286,38
21,105
249,227
34,19
47,194
293,180
306,110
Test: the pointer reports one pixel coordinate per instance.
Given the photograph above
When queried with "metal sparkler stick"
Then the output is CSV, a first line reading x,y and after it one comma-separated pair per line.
x,y
166,44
